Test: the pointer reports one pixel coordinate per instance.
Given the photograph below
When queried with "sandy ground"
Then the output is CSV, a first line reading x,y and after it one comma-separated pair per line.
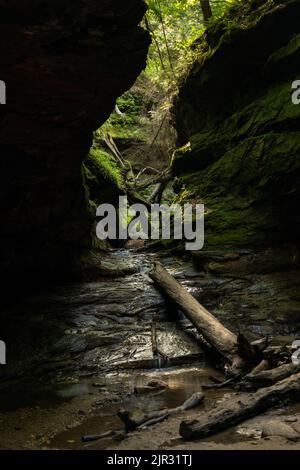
x,y
62,426
164,436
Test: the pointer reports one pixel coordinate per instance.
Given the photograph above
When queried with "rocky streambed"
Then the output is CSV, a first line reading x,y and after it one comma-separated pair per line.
x,y
76,353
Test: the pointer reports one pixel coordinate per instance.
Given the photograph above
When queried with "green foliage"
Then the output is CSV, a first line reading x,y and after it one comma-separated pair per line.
x,y
141,123
175,26
130,123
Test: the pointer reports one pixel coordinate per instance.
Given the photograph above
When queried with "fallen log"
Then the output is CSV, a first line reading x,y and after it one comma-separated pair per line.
x,y
265,378
146,420
217,335
241,407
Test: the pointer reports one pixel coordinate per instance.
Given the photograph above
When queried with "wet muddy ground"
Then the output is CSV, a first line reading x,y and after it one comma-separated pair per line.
x,y
76,352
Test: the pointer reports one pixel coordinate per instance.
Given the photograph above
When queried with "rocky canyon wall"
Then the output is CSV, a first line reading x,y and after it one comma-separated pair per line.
x,y
239,131
64,63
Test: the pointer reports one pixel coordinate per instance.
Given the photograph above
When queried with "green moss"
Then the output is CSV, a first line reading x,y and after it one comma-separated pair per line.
x,y
103,179
271,112
101,164
103,183
292,48
251,193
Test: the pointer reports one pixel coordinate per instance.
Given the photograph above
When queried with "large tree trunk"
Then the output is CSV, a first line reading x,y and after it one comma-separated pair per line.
x,y
218,336
241,407
206,10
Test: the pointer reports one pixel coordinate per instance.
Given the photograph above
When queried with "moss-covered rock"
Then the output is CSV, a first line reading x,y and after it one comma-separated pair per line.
x,y
103,182
239,132
103,176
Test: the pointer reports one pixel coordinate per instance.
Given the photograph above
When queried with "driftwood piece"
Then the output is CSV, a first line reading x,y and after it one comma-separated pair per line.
x,y
217,335
108,139
132,423
97,437
263,365
265,378
239,379
239,408
227,383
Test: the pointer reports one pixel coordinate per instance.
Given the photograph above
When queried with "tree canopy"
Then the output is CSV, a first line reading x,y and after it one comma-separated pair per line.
x,y
174,26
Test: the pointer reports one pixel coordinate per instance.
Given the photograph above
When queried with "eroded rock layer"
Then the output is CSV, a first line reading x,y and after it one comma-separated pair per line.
x,y
239,131
64,63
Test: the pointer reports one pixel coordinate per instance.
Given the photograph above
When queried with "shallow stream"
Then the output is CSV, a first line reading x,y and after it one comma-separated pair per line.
x,y
76,352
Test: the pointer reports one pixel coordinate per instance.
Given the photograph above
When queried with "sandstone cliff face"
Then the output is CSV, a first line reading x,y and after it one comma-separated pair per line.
x,y
240,131
64,63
